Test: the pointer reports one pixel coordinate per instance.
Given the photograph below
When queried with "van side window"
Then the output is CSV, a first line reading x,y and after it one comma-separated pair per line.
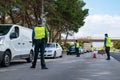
x,y
56,45
14,33
17,31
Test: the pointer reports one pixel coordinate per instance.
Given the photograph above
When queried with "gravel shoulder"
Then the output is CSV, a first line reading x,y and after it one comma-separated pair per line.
x,y
115,55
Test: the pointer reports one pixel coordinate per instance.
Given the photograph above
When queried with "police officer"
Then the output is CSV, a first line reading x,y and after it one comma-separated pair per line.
x,y
39,39
107,44
77,45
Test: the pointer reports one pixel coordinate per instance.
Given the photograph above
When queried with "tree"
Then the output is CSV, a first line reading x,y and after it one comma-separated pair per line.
x,y
65,16
116,44
28,14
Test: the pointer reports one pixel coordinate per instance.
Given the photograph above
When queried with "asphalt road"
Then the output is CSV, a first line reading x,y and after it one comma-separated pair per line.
x,y
59,69
67,68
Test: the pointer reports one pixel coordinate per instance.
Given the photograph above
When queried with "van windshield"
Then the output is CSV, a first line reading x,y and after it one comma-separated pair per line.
x,y
4,29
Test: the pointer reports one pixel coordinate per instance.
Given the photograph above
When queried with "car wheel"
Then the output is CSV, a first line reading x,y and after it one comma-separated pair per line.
x,y
68,53
6,59
54,55
30,57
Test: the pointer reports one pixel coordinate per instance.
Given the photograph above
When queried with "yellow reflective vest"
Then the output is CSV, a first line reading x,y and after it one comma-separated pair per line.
x,y
108,42
77,45
39,32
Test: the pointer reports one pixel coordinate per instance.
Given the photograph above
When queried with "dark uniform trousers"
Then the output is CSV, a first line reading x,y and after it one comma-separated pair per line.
x,y
77,52
107,50
39,46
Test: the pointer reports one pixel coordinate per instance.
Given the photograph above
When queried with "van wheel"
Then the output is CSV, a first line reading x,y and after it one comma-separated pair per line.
x,y
61,55
6,59
54,55
30,57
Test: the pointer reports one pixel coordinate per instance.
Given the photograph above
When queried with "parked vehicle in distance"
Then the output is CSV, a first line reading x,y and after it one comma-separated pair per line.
x,y
53,50
101,51
15,43
81,50
71,50
87,47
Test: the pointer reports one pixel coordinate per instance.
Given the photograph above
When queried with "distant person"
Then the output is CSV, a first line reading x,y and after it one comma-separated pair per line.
x,y
77,45
107,44
39,39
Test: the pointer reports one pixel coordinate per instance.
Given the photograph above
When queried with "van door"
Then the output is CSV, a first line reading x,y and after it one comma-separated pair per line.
x,y
15,42
26,44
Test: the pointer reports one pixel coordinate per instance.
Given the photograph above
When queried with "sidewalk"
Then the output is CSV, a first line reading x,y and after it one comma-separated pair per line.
x,y
99,68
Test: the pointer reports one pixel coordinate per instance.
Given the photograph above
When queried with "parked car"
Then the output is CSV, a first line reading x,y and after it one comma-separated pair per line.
x,y
53,50
71,50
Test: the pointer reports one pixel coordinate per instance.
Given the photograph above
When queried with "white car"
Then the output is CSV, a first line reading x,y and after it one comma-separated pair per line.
x,y
81,50
53,50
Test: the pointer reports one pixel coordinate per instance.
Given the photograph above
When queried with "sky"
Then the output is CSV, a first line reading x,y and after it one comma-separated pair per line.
x,y
104,17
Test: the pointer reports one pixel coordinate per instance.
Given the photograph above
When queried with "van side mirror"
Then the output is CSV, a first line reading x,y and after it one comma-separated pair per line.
x,y
13,35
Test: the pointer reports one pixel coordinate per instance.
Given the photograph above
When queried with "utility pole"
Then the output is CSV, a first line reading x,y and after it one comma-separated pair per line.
x,y
41,17
43,14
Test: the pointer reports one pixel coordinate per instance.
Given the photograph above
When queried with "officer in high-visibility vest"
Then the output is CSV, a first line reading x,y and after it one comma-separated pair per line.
x,y
39,39
77,45
107,44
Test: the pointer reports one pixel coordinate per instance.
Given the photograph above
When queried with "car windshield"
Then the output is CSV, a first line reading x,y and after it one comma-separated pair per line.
x,y
72,46
50,45
81,47
4,29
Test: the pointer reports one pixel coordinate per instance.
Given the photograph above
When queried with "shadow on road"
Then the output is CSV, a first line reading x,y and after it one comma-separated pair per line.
x,y
16,62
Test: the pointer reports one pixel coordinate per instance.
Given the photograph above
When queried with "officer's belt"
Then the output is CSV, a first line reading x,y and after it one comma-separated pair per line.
x,y
39,39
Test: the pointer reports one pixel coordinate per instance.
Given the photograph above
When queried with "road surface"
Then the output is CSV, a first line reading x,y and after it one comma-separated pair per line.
x,y
69,67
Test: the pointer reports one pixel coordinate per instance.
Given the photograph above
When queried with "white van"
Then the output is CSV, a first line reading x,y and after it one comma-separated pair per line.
x,y
15,43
